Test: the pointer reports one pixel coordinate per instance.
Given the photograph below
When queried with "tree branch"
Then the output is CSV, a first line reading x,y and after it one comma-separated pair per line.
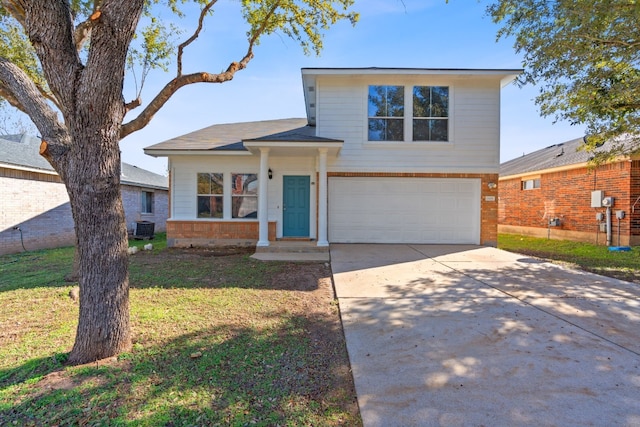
x,y
52,38
82,33
10,98
609,42
180,81
22,93
172,87
15,9
194,36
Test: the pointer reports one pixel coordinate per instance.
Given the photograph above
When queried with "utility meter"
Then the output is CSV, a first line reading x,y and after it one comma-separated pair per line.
x,y
607,202
600,216
620,214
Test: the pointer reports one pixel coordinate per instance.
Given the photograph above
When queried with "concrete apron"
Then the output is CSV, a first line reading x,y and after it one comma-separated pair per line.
x,y
471,336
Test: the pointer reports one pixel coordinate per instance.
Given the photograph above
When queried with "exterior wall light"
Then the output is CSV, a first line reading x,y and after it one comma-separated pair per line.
x,y
492,185
270,174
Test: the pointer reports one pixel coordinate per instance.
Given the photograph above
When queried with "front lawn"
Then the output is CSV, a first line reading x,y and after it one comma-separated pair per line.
x,y
585,256
219,339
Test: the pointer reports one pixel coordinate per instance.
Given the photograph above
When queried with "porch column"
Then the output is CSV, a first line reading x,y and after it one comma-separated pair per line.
x,y
263,180
322,199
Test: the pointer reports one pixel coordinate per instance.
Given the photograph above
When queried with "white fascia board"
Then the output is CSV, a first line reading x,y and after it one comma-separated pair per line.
x,y
28,169
167,153
411,71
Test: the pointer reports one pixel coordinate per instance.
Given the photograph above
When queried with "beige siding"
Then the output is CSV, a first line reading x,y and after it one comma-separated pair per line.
x,y
474,126
184,176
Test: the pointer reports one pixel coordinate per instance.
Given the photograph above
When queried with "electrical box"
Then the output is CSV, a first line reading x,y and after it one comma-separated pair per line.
x,y
620,214
600,216
596,198
554,222
607,202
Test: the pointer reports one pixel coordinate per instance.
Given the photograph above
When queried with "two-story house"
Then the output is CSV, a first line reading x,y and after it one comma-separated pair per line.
x,y
383,156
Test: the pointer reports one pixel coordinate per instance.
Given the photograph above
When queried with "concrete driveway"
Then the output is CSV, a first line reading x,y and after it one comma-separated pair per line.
x,y
475,336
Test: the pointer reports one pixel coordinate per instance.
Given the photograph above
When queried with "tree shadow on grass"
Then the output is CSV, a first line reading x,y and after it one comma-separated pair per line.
x,y
199,269
293,373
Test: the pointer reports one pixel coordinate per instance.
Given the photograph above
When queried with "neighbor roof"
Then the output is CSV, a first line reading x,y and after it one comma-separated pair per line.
x,y
554,156
23,152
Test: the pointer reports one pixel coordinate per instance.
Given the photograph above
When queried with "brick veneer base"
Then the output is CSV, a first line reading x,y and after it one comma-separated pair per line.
x,y
215,233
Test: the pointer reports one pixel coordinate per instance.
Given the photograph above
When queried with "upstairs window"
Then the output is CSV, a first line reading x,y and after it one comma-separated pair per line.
x,y
244,195
147,202
430,113
386,113
210,195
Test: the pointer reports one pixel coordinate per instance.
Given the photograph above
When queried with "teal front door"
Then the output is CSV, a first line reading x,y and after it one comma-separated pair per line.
x,y
295,206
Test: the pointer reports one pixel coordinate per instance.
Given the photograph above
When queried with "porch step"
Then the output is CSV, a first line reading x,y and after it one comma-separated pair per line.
x,y
292,246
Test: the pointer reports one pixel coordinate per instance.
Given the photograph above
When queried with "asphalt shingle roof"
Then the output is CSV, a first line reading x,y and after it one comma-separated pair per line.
x,y
24,151
229,136
554,156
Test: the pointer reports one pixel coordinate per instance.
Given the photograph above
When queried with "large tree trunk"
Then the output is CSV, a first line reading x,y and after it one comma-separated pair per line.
x,y
93,184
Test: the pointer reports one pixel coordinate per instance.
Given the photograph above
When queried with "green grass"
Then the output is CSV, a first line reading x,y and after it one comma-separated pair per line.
x,y
594,258
218,340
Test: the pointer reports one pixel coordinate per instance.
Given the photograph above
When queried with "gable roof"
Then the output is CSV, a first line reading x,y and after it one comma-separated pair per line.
x,y
554,156
23,152
229,136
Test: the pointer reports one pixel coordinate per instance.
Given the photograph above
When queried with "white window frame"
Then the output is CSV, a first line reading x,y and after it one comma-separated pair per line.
x,y
146,208
531,184
408,141
236,196
210,194
429,118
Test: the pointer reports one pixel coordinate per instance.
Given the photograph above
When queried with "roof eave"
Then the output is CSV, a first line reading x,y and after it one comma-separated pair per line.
x,y
333,147
202,152
28,168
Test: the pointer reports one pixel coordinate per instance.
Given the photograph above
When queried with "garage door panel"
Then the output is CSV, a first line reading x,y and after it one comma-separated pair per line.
x,y
404,210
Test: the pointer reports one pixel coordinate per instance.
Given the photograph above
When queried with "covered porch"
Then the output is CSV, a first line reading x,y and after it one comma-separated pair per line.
x,y
284,210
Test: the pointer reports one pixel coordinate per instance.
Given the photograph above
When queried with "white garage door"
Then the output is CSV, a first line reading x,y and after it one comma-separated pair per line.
x,y
404,210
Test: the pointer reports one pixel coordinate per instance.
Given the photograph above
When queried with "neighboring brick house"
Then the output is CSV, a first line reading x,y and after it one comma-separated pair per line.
x,y
556,192
34,205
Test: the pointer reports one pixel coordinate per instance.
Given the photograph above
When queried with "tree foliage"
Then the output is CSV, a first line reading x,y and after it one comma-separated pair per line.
x,y
63,63
585,55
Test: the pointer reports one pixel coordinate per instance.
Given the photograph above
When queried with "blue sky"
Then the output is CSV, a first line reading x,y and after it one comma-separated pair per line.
x,y
390,33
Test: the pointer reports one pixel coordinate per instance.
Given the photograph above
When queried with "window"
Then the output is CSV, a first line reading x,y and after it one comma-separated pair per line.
x,y
147,202
530,184
210,191
244,195
430,113
386,113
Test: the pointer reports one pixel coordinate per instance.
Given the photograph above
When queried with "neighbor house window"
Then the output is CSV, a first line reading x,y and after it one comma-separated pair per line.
x,y
430,113
244,195
386,113
210,194
147,202
530,184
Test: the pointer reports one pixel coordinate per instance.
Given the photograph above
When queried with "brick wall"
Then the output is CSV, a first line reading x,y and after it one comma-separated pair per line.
x,y
38,205
215,233
567,195
132,201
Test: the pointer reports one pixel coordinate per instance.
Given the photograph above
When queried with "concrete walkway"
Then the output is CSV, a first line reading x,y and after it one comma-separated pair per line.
x,y
470,336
